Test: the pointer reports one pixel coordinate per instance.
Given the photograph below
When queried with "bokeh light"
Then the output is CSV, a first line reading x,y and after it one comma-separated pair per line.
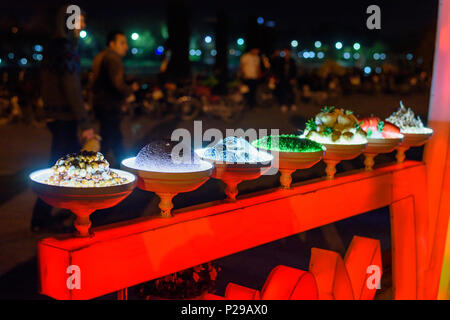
x,y
159,51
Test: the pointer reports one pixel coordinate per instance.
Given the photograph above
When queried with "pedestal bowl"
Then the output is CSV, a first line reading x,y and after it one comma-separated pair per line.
x,y
335,153
234,173
412,140
82,201
168,184
290,153
375,146
235,160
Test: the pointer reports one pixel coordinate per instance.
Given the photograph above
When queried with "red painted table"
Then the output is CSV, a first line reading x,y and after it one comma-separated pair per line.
x,y
125,254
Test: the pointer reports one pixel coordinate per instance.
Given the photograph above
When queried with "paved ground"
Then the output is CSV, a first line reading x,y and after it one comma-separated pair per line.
x,y
25,148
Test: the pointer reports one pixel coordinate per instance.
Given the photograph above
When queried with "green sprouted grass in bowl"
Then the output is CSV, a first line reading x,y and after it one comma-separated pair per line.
x,y
287,143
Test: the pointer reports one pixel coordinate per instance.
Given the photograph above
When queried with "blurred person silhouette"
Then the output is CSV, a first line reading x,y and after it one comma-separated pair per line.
x,y
285,71
250,71
109,90
63,104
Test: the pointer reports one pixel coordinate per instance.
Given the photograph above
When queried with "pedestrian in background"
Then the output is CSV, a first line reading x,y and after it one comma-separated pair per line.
x,y
109,91
285,71
63,102
250,72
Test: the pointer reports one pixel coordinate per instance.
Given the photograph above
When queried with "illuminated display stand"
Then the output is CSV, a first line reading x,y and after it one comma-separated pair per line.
x,y
125,254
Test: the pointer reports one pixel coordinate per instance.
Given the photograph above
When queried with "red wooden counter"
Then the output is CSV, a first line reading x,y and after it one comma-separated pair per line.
x,y
125,254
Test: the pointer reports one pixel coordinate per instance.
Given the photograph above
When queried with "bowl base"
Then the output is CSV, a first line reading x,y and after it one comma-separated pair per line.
x,y
165,203
400,156
231,189
286,178
331,168
369,161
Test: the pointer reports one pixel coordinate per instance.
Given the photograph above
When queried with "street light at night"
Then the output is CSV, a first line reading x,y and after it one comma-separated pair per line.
x,y
135,36
338,45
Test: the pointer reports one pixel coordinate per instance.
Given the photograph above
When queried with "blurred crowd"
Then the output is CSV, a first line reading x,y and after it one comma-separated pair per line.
x,y
280,80
263,81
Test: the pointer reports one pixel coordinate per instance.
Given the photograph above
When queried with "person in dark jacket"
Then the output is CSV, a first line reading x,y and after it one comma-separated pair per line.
x,y
109,91
63,103
285,71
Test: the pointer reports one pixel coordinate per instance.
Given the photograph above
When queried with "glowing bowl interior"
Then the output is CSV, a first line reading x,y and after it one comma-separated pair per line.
x,y
81,198
173,181
238,171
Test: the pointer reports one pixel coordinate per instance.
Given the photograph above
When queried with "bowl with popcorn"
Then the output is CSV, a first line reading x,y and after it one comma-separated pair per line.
x,y
82,183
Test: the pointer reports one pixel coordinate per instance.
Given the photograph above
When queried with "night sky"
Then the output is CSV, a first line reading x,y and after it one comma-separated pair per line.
x,y
400,18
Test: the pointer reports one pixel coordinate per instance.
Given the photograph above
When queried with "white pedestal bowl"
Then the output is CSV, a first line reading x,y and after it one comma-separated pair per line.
x,y
168,184
82,201
375,146
335,153
412,140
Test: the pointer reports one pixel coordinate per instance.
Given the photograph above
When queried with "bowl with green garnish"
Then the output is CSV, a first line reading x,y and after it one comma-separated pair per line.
x,y
341,134
291,153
